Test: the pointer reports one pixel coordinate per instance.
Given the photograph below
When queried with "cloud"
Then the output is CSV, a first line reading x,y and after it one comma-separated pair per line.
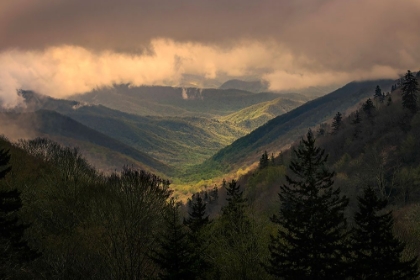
x,y
65,47
68,70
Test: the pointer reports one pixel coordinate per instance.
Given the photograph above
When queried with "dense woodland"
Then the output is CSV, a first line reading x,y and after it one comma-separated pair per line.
x,y
342,203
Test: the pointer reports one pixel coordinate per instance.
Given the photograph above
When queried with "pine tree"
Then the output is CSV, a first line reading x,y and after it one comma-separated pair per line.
x,y
356,121
337,120
175,255
376,252
309,243
410,87
235,209
264,160
378,94
15,251
368,107
197,217
238,237
196,221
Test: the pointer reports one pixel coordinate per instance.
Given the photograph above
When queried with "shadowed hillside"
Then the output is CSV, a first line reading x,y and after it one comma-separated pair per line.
x,y
99,148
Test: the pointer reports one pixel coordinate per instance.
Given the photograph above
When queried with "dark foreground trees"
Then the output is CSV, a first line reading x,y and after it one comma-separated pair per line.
x,y
312,226
410,88
376,252
175,255
15,252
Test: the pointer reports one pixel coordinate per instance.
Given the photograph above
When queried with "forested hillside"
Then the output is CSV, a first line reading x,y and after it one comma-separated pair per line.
x,y
278,133
62,219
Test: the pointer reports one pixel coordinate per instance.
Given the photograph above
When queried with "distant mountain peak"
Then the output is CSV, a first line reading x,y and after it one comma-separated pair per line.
x,y
252,86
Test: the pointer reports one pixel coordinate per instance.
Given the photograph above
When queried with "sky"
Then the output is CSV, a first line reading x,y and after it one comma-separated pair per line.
x,y
66,47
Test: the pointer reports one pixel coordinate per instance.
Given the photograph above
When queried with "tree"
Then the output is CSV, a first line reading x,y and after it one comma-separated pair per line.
x,y
235,209
312,226
264,160
410,87
132,211
337,121
378,94
368,107
376,252
322,130
15,251
235,237
356,121
197,217
175,254
196,221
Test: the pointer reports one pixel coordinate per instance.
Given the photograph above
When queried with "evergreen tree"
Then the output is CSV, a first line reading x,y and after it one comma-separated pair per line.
x,y
357,120
368,107
378,94
237,239
376,252
15,251
197,217
410,87
175,256
309,243
264,160
337,121
196,221
235,209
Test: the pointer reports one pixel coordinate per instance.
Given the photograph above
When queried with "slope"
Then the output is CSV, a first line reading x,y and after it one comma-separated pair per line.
x,y
65,130
171,101
173,140
279,132
258,114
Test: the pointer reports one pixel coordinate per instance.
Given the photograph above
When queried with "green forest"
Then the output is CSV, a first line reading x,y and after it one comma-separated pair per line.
x,y
342,203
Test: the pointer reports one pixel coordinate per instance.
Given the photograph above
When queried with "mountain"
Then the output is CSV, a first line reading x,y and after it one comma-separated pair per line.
x,y
171,101
102,151
281,131
175,141
251,86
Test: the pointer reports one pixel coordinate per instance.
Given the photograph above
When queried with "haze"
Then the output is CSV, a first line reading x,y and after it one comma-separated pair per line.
x,y
61,48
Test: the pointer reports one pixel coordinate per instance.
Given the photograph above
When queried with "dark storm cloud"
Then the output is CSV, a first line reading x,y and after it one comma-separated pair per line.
x,y
351,31
80,44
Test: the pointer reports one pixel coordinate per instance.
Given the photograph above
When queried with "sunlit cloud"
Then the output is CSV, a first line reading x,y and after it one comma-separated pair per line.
x,y
67,70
